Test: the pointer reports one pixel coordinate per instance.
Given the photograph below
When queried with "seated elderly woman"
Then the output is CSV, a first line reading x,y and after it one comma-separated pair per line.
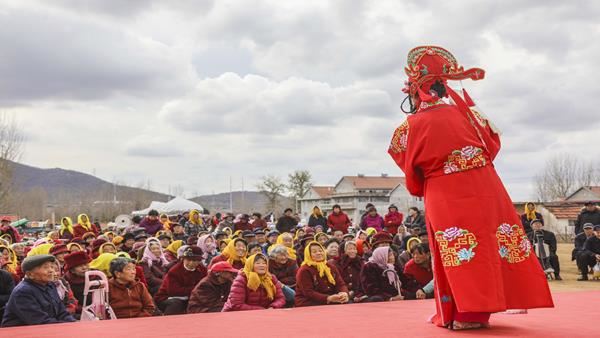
x,y
63,289
35,300
319,282
235,253
208,244
129,298
154,263
350,265
333,249
282,266
173,295
379,278
255,288
213,290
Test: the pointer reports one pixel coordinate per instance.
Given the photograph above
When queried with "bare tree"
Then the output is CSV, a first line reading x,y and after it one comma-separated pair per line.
x,y
11,146
299,182
562,175
272,188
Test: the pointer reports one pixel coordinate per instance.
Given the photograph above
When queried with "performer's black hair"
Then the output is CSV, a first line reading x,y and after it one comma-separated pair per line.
x,y
439,88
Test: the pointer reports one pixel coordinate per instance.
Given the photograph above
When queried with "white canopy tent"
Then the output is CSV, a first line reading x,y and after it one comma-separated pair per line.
x,y
174,206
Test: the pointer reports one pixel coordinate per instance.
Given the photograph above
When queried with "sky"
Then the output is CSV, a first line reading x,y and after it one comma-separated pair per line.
x,y
190,93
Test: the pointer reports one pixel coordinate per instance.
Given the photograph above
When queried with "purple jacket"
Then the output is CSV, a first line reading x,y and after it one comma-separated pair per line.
x,y
372,222
241,298
152,227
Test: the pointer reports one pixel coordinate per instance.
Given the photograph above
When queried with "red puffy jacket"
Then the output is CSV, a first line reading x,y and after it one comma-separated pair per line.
x,y
338,222
241,298
392,221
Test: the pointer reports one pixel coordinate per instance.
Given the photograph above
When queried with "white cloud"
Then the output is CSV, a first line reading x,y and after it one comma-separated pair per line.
x,y
225,88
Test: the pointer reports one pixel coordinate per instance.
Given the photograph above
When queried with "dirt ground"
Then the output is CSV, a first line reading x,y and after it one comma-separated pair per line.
x,y
569,273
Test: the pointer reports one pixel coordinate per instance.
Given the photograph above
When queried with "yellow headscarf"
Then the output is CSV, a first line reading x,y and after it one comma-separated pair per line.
x,y
166,224
371,231
87,225
236,234
101,250
173,247
195,212
102,263
230,253
227,230
291,251
530,212
255,280
123,254
68,227
12,264
42,249
409,242
71,245
321,266
7,238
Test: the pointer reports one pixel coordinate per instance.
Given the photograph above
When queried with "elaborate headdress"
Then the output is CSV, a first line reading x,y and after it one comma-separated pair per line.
x,y
427,65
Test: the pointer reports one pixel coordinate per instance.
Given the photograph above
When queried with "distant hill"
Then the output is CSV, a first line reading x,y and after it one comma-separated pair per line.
x,y
37,192
246,201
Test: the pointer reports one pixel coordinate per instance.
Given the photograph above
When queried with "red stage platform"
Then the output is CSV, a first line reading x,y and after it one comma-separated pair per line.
x,y
576,315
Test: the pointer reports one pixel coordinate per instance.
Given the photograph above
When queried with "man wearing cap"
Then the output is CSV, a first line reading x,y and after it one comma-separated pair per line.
x,y
287,222
539,235
591,251
128,241
249,236
212,292
173,295
35,300
589,214
584,262
178,232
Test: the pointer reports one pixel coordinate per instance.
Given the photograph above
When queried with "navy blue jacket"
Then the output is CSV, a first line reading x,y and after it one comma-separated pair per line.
x,y
33,304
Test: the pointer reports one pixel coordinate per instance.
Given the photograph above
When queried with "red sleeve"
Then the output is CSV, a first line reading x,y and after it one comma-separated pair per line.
x,y
486,132
403,149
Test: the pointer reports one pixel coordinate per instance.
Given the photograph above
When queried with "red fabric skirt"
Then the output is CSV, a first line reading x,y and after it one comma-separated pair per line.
x,y
482,260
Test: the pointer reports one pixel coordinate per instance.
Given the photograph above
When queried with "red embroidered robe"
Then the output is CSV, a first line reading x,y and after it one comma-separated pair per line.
x,y
483,262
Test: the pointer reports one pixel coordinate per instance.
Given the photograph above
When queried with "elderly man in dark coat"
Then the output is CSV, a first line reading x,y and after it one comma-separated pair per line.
x,y
35,300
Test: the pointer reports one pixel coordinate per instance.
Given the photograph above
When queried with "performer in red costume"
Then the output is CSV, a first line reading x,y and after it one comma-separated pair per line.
x,y
483,261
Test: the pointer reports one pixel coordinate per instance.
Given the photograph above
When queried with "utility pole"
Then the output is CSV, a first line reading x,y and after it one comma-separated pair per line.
x,y
230,195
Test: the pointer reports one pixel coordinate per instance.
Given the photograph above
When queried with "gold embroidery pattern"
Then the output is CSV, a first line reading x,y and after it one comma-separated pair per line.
x,y
482,122
456,246
400,139
467,158
513,244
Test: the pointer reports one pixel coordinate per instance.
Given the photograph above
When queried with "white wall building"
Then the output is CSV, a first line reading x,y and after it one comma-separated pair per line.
x,y
352,193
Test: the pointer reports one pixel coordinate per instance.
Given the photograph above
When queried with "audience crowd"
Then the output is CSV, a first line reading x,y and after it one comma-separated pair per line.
x,y
196,263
